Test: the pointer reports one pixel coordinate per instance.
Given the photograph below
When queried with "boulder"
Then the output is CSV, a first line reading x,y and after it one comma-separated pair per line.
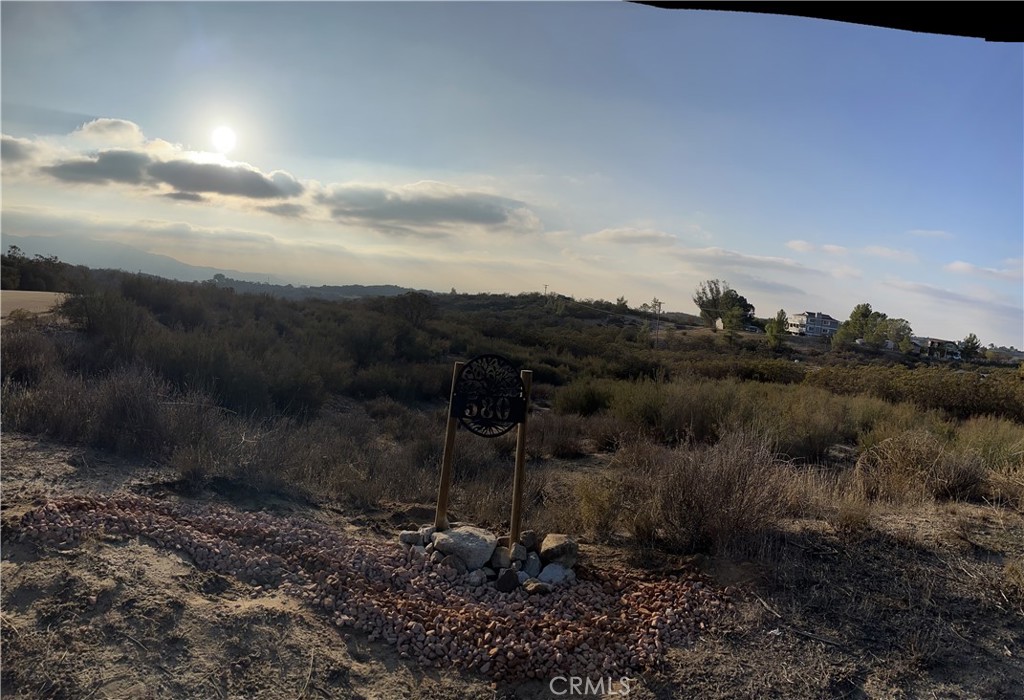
x,y
454,562
418,552
489,572
560,549
532,566
473,545
518,552
501,559
556,574
436,557
426,532
528,538
410,537
523,577
507,581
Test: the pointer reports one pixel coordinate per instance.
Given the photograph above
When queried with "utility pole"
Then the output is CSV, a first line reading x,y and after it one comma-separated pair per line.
x,y
545,290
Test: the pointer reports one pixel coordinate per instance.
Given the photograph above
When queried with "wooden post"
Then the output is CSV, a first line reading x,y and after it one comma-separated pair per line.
x,y
441,516
517,480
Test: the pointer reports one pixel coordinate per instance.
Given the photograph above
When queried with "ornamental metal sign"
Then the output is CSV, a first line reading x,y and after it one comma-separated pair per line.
x,y
488,396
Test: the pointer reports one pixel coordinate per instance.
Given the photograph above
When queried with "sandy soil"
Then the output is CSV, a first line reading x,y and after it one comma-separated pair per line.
x,y
33,302
914,607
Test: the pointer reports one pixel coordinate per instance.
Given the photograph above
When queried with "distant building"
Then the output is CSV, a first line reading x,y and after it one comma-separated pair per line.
x,y
935,347
813,323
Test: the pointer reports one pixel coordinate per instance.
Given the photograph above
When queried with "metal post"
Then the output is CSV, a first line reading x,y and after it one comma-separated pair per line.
x,y
517,480
441,516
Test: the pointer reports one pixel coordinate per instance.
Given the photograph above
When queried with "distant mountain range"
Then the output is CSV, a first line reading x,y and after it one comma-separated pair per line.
x,y
118,256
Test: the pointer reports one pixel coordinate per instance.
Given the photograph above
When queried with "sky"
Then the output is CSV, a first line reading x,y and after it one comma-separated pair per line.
x,y
597,150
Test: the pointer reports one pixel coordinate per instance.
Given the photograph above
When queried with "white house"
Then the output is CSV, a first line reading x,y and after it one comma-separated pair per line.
x,y
812,323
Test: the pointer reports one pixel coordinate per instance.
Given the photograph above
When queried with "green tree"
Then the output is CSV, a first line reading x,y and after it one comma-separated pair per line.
x,y
708,299
971,347
716,299
775,328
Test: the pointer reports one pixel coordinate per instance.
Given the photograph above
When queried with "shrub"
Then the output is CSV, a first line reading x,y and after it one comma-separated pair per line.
x,y
599,501
582,398
26,354
709,498
130,415
917,465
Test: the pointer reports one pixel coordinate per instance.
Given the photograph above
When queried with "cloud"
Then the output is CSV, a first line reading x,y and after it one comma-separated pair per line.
x,y
185,196
14,150
1011,312
631,236
122,166
720,258
889,253
236,179
805,247
1013,271
928,233
109,132
407,208
285,209
846,272
760,284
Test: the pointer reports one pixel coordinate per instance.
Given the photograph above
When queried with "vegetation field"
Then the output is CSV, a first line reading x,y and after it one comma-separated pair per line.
x,y
864,510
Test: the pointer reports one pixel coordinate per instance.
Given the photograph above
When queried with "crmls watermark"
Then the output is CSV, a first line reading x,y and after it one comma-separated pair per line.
x,y
576,685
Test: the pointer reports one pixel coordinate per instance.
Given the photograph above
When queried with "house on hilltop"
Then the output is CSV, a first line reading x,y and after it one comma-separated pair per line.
x,y
935,347
812,323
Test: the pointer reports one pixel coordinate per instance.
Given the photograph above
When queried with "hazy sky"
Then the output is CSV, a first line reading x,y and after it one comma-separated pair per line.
x,y
601,149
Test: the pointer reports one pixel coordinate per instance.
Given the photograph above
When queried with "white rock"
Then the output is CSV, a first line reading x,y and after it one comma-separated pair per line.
x,y
473,545
556,574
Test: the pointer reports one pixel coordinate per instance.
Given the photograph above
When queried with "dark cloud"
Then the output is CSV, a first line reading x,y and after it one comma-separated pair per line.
x,y
109,166
185,196
285,209
13,150
418,206
239,180
719,258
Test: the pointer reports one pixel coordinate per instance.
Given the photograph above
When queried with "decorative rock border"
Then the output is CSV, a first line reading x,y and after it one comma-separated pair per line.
x,y
617,623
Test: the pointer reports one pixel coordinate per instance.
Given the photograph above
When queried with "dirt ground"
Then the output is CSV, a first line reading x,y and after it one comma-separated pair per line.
x,y
921,604
33,302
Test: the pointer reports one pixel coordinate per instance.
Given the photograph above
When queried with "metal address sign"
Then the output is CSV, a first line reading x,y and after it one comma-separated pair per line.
x,y
489,397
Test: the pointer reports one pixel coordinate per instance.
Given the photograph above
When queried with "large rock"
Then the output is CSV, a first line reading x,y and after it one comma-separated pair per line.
x,y
508,581
473,545
556,574
501,559
410,537
532,566
518,552
559,549
528,538
455,562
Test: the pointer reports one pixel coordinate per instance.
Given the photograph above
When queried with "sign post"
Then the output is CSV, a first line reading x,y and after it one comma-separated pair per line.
x,y
517,478
441,516
488,398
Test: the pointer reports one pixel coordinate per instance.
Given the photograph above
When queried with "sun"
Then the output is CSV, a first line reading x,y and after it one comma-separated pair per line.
x,y
224,139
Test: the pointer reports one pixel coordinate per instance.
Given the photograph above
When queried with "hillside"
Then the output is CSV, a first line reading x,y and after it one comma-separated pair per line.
x,y
203,489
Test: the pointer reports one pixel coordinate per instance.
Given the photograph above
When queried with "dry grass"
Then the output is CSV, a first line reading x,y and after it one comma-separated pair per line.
x,y
916,466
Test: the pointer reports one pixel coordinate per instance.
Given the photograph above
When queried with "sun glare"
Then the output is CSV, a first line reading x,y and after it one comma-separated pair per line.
x,y
223,139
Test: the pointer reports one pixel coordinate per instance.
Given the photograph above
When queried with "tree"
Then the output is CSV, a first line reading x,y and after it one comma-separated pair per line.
x,y
874,327
708,299
775,328
716,299
971,347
